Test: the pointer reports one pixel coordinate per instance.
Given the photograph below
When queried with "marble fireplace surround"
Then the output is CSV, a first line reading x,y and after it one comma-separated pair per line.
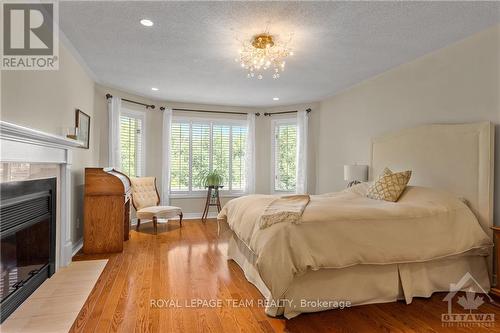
x,y
26,145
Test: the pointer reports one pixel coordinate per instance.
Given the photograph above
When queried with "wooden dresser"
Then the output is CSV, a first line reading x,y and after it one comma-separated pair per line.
x,y
106,210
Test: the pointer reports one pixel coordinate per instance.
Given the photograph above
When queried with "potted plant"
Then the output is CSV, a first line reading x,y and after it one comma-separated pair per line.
x,y
213,179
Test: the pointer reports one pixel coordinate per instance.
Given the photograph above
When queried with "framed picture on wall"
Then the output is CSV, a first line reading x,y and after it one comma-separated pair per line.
x,y
83,127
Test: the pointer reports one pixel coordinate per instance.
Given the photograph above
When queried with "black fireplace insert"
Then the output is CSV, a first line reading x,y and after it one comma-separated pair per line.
x,y
27,239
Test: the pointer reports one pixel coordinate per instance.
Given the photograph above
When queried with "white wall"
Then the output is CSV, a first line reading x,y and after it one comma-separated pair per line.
x,y
459,83
46,100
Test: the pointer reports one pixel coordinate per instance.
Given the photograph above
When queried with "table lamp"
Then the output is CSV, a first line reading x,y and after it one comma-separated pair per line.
x,y
355,174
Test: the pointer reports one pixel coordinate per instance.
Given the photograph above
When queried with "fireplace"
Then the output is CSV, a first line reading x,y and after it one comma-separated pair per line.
x,y
27,239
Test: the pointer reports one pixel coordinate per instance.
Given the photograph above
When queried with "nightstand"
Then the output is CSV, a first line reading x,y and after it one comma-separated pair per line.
x,y
496,237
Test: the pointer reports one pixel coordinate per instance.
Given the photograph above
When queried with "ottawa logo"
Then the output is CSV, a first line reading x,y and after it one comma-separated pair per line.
x,y
470,302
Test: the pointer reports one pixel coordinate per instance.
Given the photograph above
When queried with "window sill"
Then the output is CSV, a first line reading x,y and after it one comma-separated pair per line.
x,y
283,192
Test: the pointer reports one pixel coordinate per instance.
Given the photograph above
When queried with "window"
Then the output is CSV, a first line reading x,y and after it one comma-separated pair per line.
x,y
284,154
200,145
132,143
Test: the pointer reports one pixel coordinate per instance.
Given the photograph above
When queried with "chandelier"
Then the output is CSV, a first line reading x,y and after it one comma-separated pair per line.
x,y
261,53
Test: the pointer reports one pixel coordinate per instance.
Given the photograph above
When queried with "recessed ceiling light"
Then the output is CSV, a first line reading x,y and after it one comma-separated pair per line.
x,y
155,89
276,98
147,23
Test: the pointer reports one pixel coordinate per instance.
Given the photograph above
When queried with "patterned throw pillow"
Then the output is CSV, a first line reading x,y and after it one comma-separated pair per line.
x,y
386,172
389,186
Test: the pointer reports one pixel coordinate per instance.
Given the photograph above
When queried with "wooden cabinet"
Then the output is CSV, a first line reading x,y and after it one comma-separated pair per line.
x,y
496,236
106,210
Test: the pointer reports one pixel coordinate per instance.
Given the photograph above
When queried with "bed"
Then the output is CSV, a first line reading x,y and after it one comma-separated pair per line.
x,y
350,250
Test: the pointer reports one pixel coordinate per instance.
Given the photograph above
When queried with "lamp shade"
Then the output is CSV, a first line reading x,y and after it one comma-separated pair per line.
x,y
356,172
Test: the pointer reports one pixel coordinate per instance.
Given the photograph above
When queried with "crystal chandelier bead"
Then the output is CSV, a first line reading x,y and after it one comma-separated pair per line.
x,y
263,52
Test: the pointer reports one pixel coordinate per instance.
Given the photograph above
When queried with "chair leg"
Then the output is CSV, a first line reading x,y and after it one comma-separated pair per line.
x,y
138,224
180,218
155,224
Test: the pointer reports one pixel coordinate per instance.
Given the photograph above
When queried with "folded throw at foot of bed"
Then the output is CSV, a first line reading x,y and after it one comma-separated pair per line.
x,y
285,209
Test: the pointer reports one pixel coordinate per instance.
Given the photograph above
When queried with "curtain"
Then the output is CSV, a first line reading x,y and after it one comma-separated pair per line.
x,y
114,112
165,165
250,155
301,159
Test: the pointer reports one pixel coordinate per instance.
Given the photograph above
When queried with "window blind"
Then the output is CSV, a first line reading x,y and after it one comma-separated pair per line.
x,y
199,146
239,137
285,150
180,151
221,151
200,151
131,145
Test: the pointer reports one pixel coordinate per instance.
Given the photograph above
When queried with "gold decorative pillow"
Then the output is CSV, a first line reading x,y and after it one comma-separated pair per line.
x,y
389,186
386,172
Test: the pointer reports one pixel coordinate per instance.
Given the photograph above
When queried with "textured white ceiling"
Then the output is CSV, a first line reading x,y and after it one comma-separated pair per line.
x,y
189,52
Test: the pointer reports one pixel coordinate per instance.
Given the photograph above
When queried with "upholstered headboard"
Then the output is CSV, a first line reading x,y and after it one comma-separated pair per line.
x,y
456,158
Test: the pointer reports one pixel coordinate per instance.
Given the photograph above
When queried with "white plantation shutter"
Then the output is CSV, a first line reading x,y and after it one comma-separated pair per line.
x,y
202,145
285,152
238,142
200,152
131,145
221,150
179,156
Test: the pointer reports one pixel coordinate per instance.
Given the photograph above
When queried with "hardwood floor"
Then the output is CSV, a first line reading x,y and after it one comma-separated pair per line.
x,y
180,264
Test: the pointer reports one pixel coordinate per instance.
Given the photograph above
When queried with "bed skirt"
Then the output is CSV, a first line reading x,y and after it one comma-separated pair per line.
x,y
327,289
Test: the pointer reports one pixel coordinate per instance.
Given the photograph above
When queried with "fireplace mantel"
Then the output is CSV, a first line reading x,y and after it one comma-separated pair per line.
x,y
22,144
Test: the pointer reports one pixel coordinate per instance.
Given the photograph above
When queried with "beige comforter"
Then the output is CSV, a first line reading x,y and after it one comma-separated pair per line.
x,y
346,228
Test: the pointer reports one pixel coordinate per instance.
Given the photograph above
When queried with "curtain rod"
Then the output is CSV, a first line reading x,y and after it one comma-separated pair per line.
x,y
152,106
211,111
162,108
283,112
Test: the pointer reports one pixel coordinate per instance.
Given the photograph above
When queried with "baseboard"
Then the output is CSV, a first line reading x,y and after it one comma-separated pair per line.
x,y
77,246
196,216
186,216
